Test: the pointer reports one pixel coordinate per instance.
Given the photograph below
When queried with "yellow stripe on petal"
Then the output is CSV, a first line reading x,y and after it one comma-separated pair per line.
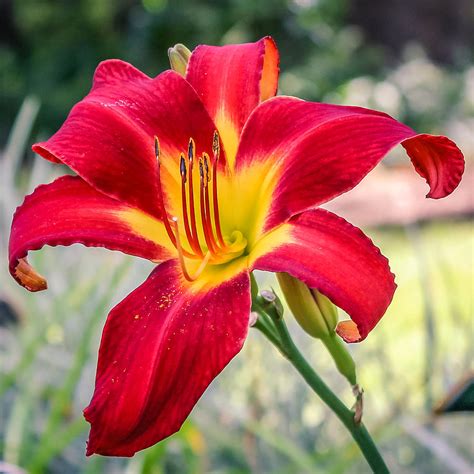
x,y
147,227
246,198
269,242
215,275
229,134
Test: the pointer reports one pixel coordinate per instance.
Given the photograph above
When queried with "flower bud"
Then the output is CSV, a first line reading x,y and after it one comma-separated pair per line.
x,y
318,317
313,311
179,57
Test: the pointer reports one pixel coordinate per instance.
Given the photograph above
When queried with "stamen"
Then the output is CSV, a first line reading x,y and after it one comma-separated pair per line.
x,y
201,267
205,158
162,202
195,237
191,149
207,178
182,168
216,246
216,150
204,216
215,144
191,241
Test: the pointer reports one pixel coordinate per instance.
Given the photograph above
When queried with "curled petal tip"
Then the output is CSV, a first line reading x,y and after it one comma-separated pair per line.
x,y
28,277
322,252
89,450
349,331
437,159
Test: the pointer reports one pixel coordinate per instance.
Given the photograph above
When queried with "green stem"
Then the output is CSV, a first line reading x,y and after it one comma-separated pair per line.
x,y
269,332
344,361
358,431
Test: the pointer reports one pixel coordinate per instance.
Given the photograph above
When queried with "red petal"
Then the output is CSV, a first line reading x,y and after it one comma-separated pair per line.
x,y
231,81
438,160
69,211
108,138
161,347
318,151
328,253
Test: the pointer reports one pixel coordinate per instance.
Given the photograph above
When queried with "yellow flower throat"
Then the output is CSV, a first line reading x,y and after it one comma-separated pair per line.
x,y
212,247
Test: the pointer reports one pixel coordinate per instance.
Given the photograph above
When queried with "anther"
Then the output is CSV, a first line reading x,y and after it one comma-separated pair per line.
x,y
209,216
205,158
182,167
191,149
157,149
201,171
215,145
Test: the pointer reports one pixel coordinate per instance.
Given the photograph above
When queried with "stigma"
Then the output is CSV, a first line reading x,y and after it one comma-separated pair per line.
x,y
199,237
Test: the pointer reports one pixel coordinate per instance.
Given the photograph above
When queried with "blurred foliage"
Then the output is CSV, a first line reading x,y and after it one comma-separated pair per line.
x,y
50,48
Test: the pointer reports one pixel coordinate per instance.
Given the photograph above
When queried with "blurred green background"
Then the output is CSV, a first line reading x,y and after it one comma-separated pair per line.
x,y
413,60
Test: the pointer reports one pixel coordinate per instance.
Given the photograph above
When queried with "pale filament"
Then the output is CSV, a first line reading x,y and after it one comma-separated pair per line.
x,y
203,264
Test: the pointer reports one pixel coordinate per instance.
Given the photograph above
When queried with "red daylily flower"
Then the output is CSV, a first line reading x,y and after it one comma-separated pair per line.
x,y
236,187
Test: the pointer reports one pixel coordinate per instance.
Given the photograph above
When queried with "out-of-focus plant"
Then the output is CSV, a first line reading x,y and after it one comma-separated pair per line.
x,y
50,49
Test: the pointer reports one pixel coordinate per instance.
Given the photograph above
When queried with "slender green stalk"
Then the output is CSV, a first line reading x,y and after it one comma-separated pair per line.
x,y
341,356
287,347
